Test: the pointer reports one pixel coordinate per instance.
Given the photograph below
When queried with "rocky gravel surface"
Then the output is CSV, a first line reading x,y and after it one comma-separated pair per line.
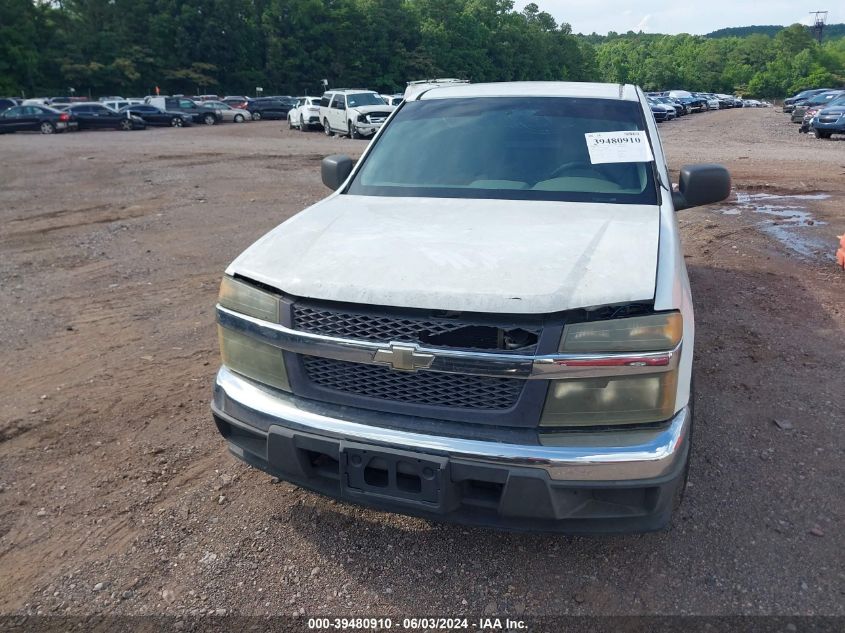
x,y
117,495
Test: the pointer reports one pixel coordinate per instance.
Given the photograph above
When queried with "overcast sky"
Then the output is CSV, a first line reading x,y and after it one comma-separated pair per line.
x,y
680,16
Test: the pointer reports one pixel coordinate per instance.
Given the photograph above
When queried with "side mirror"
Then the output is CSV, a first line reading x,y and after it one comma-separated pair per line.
x,y
701,184
335,170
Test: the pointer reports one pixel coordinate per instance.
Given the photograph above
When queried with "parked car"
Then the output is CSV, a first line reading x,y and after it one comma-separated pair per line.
x,y
656,106
355,113
96,116
208,98
228,113
691,103
829,121
119,104
152,115
8,102
539,397
789,104
811,113
36,118
198,112
305,114
659,111
270,107
237,102
393,100
817,101
725,101
710,101
680,109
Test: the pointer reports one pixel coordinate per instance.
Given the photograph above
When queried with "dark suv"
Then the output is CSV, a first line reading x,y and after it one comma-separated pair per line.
x,y
270,107
192,110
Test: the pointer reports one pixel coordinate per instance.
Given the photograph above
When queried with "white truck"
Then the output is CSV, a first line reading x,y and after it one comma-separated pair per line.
x,y
489,320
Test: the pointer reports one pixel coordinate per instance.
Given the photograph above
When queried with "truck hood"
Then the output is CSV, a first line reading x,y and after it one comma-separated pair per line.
x,y
840,110
501,256
373,108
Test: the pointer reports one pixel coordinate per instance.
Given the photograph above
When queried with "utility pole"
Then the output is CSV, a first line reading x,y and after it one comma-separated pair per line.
x,y
818,24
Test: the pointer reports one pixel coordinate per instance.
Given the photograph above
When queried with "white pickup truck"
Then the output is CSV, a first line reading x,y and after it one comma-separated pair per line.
x,y
489,321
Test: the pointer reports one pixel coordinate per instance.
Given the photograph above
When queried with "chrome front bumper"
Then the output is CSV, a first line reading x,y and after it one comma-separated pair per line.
x,y
571,456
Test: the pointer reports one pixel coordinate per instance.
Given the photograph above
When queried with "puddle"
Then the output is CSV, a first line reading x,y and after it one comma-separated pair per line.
x,y
791,223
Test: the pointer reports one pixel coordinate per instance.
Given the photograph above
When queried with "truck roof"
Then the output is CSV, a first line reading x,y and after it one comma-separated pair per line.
x,y
623,92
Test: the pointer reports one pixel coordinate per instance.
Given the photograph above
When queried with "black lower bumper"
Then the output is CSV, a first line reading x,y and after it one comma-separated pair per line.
x,y
442,488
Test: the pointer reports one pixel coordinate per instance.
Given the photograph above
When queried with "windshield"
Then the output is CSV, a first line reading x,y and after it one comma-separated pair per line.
x,y
363,99
824,98
516,148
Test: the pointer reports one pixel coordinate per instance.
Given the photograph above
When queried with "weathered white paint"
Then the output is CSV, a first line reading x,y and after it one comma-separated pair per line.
x,y
499,256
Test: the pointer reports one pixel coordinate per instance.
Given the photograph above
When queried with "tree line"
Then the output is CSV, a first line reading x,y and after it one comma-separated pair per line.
x,y
130,47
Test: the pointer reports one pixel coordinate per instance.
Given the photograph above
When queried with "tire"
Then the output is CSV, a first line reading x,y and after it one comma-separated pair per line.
x,y
821,133
176,122
256,116
126,125
239,118
327,129
302,127
209,119
48,128
352,132
290,123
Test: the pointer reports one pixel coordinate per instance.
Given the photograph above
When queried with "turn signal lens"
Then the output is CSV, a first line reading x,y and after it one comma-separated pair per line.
x,y
650,333
247,299
254,359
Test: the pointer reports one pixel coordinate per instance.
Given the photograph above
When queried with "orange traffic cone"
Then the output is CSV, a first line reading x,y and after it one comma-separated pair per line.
x,y
840,254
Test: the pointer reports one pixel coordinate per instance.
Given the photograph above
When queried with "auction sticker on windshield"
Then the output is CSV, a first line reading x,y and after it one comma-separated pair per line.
x,y
625,146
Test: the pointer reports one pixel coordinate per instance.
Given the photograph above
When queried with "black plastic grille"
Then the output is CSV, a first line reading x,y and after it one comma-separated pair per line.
x,y
369,327
423,387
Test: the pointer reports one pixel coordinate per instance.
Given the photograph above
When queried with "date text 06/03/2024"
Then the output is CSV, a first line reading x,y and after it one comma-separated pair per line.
x,y
416,624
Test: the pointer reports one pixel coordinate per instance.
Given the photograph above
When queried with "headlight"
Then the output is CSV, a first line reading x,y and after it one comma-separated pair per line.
x,y
651,333
362,118
247,299
242,353
623,399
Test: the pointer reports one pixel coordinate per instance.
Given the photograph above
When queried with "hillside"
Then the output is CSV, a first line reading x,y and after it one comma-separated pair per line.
x,y
831,31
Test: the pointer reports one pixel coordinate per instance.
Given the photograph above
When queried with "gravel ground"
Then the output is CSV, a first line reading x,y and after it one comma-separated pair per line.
x,y
117,495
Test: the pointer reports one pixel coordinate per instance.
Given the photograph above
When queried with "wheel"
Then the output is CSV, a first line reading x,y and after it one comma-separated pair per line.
x,y
176,122
126,125
351,131
821,133
47,128
209,119
239,118
302,124
290,123
327,128
256,116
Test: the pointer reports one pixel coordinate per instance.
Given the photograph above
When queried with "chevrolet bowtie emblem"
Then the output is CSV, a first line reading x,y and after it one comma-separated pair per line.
x,y
403,358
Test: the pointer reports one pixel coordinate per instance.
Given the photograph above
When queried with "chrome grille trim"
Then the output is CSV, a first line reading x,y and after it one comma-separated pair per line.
x,y
502,365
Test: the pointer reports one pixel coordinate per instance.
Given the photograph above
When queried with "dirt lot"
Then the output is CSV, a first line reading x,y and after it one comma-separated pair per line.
x,y
117,495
